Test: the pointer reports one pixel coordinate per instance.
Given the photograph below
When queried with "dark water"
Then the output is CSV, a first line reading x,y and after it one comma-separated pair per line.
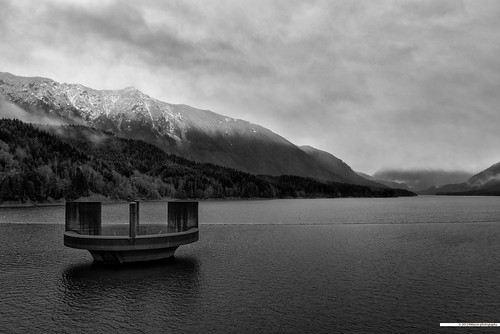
x,y
292,266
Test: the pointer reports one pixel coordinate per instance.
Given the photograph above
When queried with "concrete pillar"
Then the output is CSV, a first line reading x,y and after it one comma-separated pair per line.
x,y
133,219
71,216
137,217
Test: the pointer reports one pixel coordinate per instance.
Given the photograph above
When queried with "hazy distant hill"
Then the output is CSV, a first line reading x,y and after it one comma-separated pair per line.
x,y
395,185
41,163
195,134
421,180
330,162
486,182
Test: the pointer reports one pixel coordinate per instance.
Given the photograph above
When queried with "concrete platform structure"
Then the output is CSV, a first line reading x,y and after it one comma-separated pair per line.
x,y
125,243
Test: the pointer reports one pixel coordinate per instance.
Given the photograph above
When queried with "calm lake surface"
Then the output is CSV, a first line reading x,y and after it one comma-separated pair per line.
x,y
281,266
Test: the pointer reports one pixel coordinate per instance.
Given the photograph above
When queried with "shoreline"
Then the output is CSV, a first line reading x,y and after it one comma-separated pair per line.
x,y
106,200
31,204
60,202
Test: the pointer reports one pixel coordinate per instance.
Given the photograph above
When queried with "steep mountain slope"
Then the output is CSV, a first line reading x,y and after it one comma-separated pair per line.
x,y
195,134
486,182
330,162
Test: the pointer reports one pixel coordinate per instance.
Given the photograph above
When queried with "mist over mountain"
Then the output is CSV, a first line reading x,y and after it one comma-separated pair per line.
x,y
195,134
11,110
486,182
390,184
419,180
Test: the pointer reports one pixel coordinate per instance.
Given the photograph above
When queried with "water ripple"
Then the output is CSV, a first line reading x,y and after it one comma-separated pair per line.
x,y
250,278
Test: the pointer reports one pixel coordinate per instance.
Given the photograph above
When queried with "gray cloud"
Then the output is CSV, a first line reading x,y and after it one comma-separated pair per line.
x,y
379,84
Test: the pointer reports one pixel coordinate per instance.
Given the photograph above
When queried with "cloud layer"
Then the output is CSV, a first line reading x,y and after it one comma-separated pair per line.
x,y
380,84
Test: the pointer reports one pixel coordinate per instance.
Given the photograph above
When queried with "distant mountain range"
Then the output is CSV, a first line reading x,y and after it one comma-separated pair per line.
x,y
199,135
486,182
420,180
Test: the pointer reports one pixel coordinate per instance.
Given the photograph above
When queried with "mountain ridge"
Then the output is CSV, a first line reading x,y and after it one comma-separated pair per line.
x,y
195,134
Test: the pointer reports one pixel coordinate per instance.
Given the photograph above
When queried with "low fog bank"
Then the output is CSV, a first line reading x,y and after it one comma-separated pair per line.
x,y
419,180
12,111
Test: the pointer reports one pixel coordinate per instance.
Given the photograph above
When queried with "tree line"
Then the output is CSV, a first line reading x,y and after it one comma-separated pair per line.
x,y
40,163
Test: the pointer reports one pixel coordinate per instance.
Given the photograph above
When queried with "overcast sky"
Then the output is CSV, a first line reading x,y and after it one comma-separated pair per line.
x,y
379,84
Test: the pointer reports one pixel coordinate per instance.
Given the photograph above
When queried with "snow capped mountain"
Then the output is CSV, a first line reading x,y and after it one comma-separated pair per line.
x,y
199,135
109,109
121,107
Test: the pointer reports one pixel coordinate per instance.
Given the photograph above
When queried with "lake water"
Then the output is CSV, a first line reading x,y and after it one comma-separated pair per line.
x,y
281,266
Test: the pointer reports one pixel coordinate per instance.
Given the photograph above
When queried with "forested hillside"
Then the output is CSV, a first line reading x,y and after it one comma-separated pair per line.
x,y
43,163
